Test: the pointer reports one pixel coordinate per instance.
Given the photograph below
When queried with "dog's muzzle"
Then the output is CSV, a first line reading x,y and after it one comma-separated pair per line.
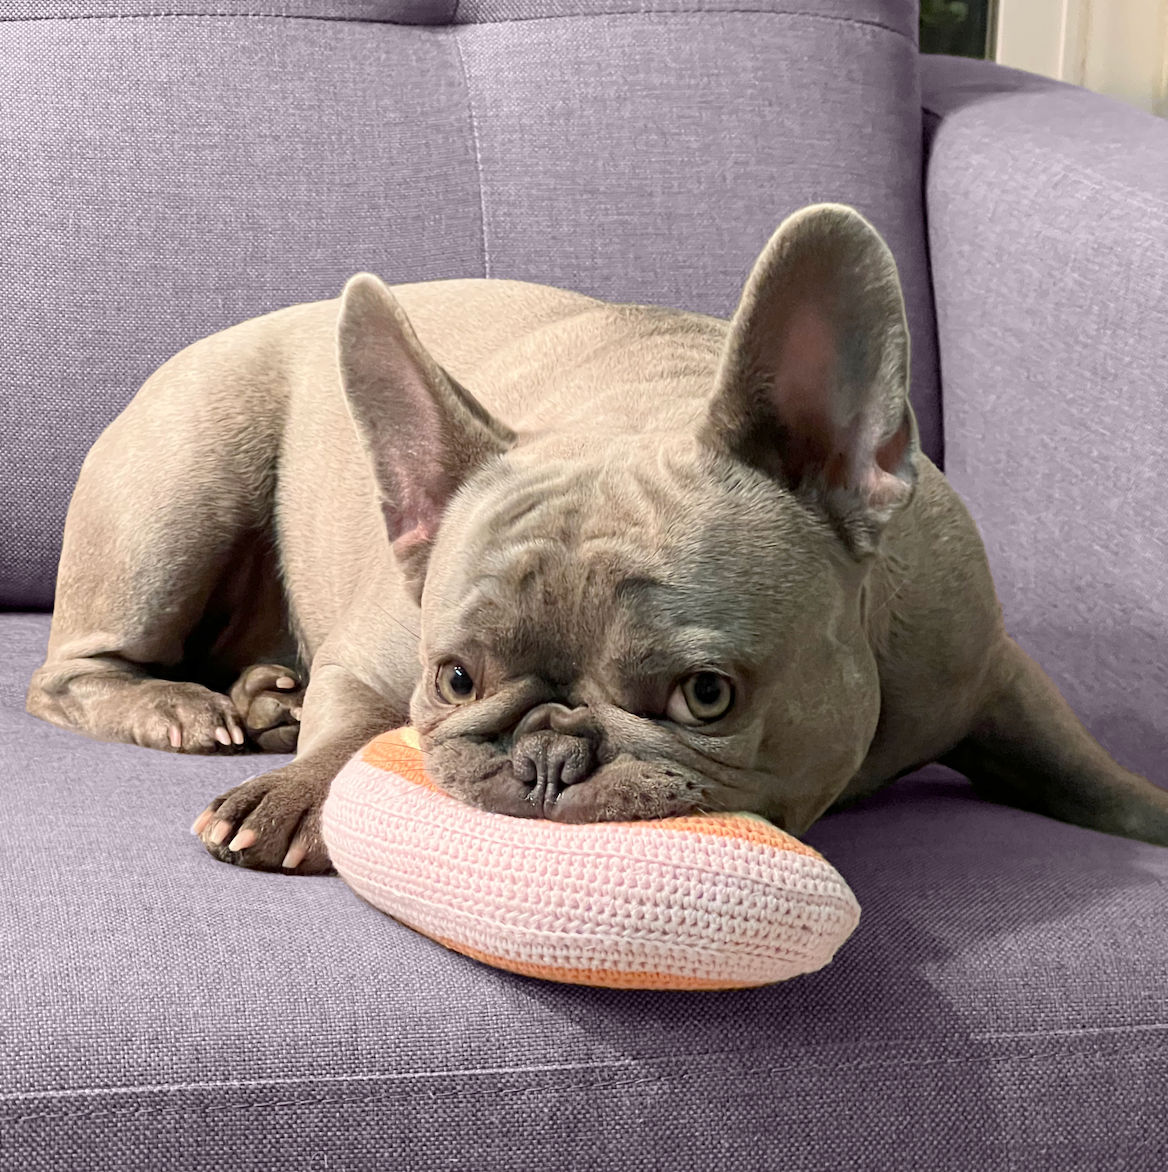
x,y
553,747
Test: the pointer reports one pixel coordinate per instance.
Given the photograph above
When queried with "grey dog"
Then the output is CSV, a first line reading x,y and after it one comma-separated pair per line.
x,y
612,561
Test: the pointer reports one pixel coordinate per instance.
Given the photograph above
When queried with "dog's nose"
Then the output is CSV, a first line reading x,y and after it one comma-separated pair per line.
x,y
559,718
553,761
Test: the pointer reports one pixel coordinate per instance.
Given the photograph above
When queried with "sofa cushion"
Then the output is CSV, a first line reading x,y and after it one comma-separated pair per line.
x,y
1003,1003
165,176
1048,217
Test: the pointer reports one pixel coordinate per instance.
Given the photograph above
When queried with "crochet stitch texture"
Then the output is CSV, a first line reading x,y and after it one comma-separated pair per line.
x,y
704,901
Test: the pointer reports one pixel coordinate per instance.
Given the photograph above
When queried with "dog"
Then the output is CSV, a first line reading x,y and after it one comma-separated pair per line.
x,y
613,562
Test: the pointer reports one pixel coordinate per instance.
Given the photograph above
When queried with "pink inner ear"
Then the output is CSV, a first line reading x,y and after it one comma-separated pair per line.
x,y
803,394
891,452
805,371
411,473
807,357
878,481
412,540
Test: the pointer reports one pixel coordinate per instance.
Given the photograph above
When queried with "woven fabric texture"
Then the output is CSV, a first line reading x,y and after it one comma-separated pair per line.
x,y
703,902
389,11
164,177
1048,246
896,15
1003,1003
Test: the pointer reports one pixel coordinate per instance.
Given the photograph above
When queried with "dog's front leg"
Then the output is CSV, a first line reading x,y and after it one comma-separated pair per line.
x,y
272,822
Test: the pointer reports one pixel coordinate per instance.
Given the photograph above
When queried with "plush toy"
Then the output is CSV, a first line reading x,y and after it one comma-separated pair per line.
x,y
705,901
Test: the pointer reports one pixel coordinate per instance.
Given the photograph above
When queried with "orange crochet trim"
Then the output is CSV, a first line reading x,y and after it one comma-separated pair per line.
x,y
400,751
608,978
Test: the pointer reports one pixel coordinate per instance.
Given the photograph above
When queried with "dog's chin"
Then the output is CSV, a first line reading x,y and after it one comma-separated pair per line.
x,y
623,790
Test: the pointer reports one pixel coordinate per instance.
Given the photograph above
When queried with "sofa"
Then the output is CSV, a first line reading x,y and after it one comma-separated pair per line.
x,y
172,168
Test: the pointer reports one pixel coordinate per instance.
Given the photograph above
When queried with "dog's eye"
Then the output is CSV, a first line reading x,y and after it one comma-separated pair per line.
x,y
454,684
700,698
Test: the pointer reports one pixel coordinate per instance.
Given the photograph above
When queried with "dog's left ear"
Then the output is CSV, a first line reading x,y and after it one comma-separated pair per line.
x,y
423,433
812,387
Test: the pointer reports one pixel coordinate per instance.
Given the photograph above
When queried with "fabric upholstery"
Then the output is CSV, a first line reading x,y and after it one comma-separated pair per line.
x,y
897,17
388,11
1002,1004
949,83
162,177
1048,247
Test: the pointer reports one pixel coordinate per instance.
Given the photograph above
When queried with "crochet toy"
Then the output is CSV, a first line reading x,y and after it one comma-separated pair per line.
x,y
705,901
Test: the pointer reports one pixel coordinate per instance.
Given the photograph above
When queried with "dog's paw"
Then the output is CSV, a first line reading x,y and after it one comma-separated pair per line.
x,y
269,823
184,718
268,698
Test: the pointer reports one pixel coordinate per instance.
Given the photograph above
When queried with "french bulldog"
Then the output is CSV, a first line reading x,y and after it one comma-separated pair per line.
x,y
612,561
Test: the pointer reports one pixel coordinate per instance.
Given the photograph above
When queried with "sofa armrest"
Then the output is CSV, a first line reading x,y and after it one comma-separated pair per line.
x,y
1048,234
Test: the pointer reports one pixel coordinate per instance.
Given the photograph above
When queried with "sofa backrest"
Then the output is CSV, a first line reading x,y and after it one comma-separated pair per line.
x,y
165,176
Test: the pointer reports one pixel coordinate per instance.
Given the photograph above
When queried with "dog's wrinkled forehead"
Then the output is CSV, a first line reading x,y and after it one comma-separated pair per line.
x,y
554,567
540,561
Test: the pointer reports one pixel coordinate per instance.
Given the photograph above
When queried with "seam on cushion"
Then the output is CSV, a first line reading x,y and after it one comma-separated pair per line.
x,y
495,1092
896,1061
741,11
474,133
1075,1032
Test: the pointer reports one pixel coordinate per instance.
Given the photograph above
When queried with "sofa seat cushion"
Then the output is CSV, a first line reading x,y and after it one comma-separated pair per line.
x,y
1002,1004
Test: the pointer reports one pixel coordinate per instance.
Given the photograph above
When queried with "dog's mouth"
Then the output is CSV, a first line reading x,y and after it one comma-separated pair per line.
x,y
561,777
549,763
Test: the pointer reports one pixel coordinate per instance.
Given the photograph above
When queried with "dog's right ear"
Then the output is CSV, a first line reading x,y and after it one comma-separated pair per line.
x,y
812,388
424,434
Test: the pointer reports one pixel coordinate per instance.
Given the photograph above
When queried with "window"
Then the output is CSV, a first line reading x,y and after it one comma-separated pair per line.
x,y
962,28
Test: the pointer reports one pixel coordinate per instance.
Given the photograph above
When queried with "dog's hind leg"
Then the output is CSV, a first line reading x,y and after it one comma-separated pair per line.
x,y
1028,749
170,498
269,698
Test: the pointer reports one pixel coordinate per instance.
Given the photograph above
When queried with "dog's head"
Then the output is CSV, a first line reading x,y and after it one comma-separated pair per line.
x,y
676,624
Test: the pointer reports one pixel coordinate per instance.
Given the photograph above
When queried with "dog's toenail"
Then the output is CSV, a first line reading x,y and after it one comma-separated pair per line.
x,y
201,821
237,735
242,840
285,682
219,832
175,735
223,736
294,857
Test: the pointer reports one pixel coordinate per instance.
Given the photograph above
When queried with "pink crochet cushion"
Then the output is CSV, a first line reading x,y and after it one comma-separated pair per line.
x,y
704,901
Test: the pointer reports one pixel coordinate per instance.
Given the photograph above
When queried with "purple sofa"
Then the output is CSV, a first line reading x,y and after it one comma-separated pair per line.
x,y
1004,1001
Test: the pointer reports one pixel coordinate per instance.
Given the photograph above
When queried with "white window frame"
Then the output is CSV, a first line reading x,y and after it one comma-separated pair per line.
x,y
1117,47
